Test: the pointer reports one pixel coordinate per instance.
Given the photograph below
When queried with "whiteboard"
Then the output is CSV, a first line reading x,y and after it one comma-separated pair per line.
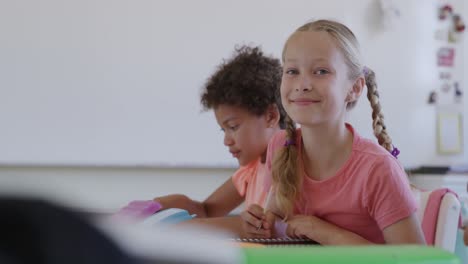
x,y
118,83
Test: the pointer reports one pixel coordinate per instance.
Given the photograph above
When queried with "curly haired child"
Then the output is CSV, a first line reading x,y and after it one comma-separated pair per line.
x,y
244,94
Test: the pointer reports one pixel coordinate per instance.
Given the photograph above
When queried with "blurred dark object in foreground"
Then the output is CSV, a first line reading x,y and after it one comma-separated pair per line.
x,y
39,232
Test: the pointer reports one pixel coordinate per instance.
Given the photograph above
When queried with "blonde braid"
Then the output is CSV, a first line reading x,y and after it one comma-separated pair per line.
x,y
380,130
284,171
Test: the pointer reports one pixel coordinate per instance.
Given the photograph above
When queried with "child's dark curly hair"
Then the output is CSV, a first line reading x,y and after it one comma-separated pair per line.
x,y
249,80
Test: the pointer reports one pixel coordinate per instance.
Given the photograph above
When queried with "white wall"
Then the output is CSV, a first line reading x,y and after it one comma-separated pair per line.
x,y
116,83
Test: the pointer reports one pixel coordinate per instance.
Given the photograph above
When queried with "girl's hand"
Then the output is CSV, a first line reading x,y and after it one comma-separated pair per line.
x,y
256,223
300,226
321,231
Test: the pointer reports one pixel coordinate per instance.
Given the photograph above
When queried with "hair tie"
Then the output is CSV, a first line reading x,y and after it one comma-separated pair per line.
x,y
395,152
365,70
289,142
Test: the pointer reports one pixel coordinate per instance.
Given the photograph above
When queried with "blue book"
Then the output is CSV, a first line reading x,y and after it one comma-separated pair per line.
x,y
168,216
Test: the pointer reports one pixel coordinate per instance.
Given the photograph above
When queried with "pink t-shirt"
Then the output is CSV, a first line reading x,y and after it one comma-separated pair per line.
x,y
369,193
249,181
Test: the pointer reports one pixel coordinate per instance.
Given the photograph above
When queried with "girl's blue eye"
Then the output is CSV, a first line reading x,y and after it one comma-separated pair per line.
x,y
321,72
291,71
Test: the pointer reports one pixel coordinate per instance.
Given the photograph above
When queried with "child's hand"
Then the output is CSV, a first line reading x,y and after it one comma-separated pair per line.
x,y
256,223
300,226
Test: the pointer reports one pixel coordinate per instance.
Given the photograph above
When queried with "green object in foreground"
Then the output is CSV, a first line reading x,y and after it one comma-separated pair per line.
x,y
384,254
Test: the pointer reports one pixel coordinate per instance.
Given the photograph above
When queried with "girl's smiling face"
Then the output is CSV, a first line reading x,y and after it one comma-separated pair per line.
x,y
315,81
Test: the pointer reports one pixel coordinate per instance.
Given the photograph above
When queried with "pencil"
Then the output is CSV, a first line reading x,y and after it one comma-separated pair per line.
x,y
267,201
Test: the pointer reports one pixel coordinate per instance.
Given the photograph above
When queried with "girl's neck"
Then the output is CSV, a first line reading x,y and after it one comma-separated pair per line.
x,y
325,149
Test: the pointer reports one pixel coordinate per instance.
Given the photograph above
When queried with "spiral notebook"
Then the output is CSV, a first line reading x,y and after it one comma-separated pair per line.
x,y
275,241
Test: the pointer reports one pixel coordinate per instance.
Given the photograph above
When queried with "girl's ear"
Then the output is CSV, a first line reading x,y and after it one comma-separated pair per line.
x,y
355,92
272,115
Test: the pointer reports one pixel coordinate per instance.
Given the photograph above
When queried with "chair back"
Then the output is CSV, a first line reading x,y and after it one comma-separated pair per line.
x,y
439,214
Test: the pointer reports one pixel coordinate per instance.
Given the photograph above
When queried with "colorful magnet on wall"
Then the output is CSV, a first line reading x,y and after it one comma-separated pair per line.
x,y
452,37
458,92
458,23
445,57
445,11
432,98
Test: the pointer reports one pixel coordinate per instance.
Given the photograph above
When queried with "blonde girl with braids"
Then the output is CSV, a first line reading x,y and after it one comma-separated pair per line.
x,y
330,184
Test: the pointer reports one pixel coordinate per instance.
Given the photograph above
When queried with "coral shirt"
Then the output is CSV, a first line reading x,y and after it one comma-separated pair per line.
x,y
370,192
249,181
